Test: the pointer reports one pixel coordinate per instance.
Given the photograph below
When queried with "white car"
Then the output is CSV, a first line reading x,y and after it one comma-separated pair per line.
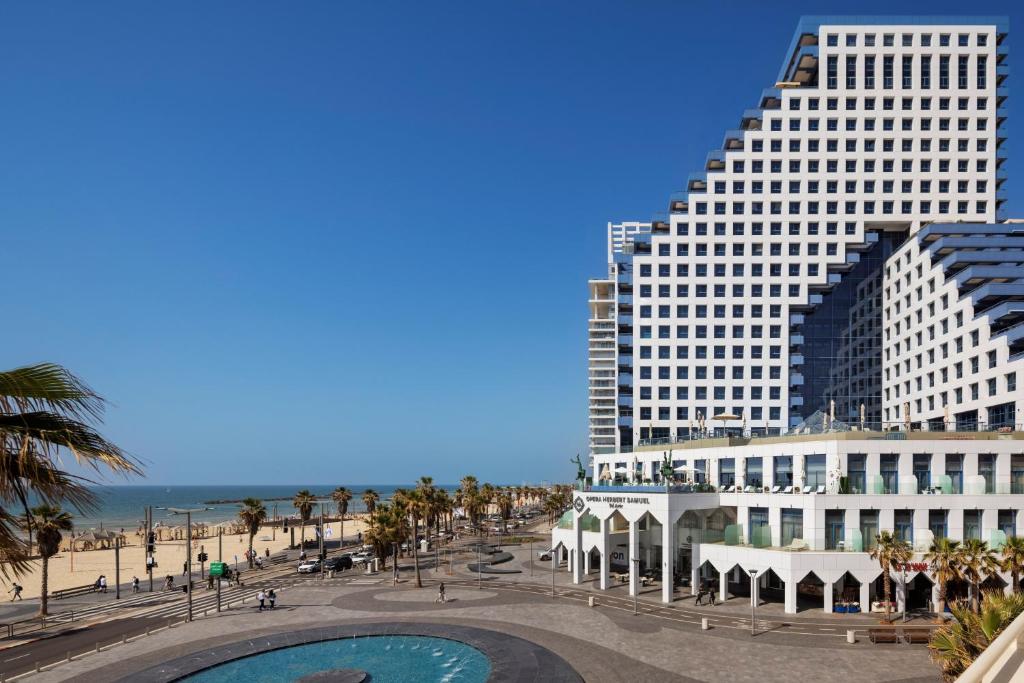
x,y
543,555
309,567
362,558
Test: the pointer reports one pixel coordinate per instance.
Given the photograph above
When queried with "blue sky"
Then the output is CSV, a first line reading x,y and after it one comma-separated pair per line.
x,y
349,242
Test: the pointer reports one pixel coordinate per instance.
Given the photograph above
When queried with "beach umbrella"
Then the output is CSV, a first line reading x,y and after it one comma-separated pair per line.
x,y
621,470
725,417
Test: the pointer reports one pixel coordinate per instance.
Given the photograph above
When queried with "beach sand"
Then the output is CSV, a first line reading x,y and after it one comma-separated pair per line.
x,y
170,558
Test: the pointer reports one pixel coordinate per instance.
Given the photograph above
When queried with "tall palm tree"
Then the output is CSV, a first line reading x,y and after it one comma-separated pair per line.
x,y
891,553
370,499
1013,559
304,502
957,644
504,501
341,496
944,561
46,412
977,561
49,522
417,506
252,515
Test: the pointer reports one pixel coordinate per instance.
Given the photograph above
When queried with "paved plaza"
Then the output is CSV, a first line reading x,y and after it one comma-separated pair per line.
x,y
606,642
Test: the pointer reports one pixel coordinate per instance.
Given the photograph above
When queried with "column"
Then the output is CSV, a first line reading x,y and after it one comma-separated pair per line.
x,y
605,554
634,552
668,556
899,590
775,523
755,590
955,525
865,597
790,595
798,472
828,589
989,523
886,520
577,551
723,586
935,596
586,563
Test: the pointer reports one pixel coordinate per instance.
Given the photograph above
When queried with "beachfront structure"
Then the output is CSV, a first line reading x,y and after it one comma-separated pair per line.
x,y
824,334
607,300
763,293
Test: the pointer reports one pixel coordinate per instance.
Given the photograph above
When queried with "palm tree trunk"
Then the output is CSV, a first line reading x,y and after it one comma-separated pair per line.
x,y
416,552
45,574
250,549
885,584
1016,581
942,600
342,534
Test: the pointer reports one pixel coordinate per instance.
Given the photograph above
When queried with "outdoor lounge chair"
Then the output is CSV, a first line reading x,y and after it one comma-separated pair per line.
x,y
749,489
821,489
788,489
776,489
797,544
808,489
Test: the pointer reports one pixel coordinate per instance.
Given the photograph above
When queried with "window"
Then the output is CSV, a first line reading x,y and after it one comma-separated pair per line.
x,y
887,68
869,71
832,72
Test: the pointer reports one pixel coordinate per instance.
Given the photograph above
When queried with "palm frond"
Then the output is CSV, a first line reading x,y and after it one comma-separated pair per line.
x,y
48,387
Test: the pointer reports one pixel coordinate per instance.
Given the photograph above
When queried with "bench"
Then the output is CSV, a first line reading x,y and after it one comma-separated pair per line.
x,y
883,635
906,635
69,592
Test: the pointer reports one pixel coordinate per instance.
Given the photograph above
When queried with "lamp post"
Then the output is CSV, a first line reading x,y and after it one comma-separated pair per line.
x,y
904,592
753,600
636,573
554,563
188,548
479,569
531,556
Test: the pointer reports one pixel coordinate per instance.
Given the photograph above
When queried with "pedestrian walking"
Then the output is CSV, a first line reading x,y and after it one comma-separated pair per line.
x,y
267,552
135,584
103,583
712,595
169,583
440,594
272,596
16,589
261,596
184,569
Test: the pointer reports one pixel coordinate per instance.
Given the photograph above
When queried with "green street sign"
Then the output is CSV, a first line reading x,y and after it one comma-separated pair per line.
x,y
218,568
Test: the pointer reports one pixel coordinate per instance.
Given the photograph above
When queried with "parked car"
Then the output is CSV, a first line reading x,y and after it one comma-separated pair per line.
x,y
362,558
543,555
337,564
309,566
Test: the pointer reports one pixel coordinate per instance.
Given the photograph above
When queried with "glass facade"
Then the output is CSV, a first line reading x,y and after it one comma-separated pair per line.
x,y
987,469
856,464
890,465
783,470
937,523
972,524
923,471
869,528
727,471
792,525
903,525
835,528
1008,522
815,469
955,471
1017,473
754,472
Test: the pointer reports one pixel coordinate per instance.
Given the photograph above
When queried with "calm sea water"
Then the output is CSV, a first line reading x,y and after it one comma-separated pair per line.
x,y
124,506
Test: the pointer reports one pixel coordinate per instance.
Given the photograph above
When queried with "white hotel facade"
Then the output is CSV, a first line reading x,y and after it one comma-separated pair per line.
x,y
824,334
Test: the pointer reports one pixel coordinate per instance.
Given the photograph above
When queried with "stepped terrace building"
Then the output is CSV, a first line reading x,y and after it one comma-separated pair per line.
x,y
822,339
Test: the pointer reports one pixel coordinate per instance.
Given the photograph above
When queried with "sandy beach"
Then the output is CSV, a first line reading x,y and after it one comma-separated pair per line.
x,y
170,557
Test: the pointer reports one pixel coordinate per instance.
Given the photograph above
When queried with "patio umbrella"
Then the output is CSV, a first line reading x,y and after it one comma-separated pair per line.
x,y
621,470
862,417
605,472
725,417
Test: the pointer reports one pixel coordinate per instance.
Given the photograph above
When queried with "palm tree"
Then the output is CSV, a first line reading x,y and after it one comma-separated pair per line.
x,y
252,515
977,561
304,502
49,522
891,552
1013,559
341,496
504,501
957,644
370,499
45,412
943,559
388,527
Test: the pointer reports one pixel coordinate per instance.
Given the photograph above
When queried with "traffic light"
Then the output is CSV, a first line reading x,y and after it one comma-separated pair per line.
x,y
151,542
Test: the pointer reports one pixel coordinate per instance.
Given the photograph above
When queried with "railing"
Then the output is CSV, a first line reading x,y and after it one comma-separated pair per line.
x,y
880,430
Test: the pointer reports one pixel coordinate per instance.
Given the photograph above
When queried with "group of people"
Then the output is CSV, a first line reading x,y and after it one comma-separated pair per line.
x,y
101,584
266,596
707,594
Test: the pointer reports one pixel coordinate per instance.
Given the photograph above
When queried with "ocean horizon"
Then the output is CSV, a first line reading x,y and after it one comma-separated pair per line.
x,y
124,506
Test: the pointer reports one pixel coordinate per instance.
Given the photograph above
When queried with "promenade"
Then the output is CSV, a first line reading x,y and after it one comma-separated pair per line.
x,y
606,642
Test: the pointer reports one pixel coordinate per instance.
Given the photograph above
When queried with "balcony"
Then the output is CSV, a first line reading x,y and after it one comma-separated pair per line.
x,y
678,203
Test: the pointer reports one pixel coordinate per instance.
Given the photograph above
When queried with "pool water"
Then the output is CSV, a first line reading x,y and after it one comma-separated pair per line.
x,y
388,659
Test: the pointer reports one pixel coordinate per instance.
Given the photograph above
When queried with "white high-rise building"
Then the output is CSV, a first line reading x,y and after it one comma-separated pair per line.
x,y
743,300
608,301
823,341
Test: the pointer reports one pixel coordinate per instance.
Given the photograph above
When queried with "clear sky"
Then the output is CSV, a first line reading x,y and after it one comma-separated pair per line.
x,y
348,242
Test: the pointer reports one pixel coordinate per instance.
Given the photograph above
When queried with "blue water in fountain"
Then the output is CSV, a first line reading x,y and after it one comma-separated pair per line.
x,y
388,659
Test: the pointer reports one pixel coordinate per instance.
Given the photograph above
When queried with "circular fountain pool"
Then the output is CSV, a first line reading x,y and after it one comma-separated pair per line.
x,y
385,658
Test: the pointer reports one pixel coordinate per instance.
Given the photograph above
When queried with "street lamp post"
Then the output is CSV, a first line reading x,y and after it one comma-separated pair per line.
x,y
479,569
753,600
531,556
636,573
188,548
554,562
904,592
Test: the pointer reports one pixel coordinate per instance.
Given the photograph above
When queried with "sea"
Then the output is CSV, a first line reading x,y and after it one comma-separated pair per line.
x,y
123,507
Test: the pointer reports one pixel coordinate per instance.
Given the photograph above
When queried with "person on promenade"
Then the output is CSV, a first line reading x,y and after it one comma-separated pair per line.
x,y
261,596
169,583
16,589
184,569
103,583
135,584
272,597
440,594
267,552
711,595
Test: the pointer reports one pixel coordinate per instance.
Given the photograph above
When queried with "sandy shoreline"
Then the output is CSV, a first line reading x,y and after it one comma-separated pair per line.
x,y
170,557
